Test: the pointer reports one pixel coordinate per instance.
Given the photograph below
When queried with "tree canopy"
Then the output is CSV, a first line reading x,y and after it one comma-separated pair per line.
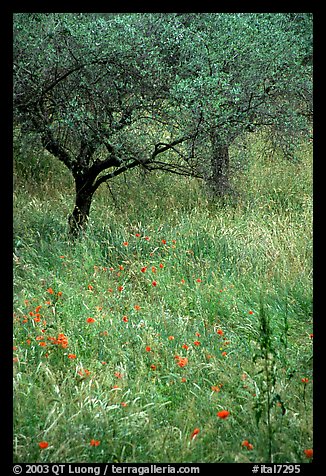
x,y
108,93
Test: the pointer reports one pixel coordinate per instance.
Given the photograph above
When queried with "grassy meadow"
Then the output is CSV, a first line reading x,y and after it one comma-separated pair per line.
x,y
179,329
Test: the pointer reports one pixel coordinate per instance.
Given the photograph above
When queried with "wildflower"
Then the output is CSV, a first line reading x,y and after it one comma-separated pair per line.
x,y
215,388
250,312
311,336
121,267
71,356
198,280
83,372
37,319
59,293
153,269
164,242
197,334
37,309
62,257
125,243
305,380
220,332
118,374
182,361
124,404
120,288
197,343
137,235
153,367
43,444
115,387
147,238
15,359
185,346
194,433
161,265
309,453
171,337
62,341
154,283
183,380
247,445
90,320
224,354
125,319
94,442
143,270
147,348
50,291
182,281
90,287
42,344
223,414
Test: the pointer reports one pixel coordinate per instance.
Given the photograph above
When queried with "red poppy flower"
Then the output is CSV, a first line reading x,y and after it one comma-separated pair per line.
x,y
161,265
43,444
309,453
153,367
164,242
185,346
71,356
247,445
125,319
198,280
143,270
94,442
90,287
50,291
147,348
182,361
171,337
305,380
223,414
154,283
215,388
197,343
90,320
120,288
136,307
194,433
220,332
125,243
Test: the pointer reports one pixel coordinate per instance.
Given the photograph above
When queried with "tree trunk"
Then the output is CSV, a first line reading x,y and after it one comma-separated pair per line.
x,y
219,178
79,218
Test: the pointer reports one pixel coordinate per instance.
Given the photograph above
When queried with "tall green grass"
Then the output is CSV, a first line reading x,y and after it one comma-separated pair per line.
x,y
222,270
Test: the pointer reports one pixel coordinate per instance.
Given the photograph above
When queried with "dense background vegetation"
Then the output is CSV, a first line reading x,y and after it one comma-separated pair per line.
x,y
178,326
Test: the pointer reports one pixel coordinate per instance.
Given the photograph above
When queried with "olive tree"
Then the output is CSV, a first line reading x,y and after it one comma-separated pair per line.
x,y
249,70
97,91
